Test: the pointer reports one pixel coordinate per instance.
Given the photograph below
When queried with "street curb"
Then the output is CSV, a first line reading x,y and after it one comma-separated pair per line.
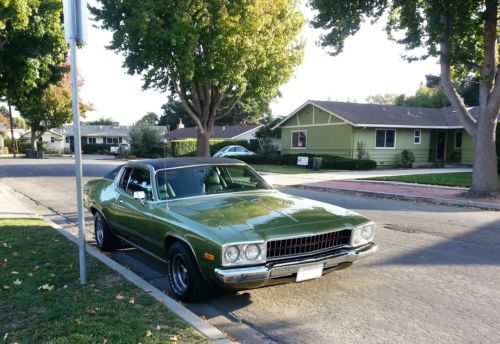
x,y
209,331
440,201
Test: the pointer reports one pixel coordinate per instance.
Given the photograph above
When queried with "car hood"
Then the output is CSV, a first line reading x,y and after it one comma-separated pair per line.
x,y
264,215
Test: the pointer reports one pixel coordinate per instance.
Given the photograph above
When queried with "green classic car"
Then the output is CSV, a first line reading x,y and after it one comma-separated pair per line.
x,y
216,222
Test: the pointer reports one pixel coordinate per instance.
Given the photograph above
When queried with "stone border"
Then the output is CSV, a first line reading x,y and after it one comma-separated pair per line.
x,y
440,201
209,331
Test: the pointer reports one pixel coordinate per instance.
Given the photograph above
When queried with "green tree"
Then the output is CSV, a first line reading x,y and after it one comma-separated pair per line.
x,y
101,121
146,141
48,107
32,46
427,97
463,34
383,99
244,113
210,53
149,119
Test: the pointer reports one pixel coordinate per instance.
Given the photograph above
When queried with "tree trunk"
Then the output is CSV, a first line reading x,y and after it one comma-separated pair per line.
x,y
202,142
34,138
484,176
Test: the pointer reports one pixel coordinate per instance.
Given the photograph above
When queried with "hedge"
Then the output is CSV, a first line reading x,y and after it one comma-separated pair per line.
x,y
179,148
96,148
328,161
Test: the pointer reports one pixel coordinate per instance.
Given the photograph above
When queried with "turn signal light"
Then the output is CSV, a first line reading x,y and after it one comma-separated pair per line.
x,y
208,256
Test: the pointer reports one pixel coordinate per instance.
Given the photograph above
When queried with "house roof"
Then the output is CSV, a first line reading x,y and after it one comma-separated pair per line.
x,y
51,131
220,132
93,130
375,115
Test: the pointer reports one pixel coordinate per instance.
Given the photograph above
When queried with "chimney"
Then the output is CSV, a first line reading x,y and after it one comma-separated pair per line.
x,y
116,124
180,125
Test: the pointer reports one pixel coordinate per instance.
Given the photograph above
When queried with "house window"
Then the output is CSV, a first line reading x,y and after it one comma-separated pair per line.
x,y
111,140
67,139
385,138
91,140
52,139
40,139
458,139
417,137
299,139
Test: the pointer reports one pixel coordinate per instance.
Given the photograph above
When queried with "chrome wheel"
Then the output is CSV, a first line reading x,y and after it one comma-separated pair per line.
x,y
180,274
99,232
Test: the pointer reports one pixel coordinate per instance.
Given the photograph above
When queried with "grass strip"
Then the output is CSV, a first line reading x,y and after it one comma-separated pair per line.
x,y
42,301
460,179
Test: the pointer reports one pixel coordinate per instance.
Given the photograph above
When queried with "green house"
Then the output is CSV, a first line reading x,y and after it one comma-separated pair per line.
x,y
380,131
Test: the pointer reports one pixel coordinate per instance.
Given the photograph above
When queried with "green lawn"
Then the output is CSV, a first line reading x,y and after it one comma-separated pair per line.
x,y
286,169
462,179
42,300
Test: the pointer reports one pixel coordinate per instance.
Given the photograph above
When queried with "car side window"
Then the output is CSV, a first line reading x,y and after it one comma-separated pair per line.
x,y
140,180
125,178
240,149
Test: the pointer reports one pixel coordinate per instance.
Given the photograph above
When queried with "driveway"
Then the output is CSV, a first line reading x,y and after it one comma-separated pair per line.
x,y
434,280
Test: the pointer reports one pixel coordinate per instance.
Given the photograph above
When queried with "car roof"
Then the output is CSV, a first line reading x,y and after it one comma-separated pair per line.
x,y
164,163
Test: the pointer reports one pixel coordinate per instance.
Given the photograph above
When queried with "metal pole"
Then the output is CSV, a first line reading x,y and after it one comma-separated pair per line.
x,y
78,151
13,140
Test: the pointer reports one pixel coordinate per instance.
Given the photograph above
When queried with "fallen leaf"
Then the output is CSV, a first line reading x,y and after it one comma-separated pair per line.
x,y
52,275
5,336
30,274
15,254
6,287
36,268
149,333
78,321
14,272
131,301
65,286
173,338
46,287
105,341
119,297
17,282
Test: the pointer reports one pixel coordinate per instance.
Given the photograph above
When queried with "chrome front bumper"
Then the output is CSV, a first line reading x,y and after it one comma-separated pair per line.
x,y
279,270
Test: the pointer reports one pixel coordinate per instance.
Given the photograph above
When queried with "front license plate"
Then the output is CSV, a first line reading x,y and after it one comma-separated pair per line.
x,y
309,272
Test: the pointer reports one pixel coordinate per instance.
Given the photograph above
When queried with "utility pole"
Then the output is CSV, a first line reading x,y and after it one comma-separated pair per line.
x,y
13,140
74,27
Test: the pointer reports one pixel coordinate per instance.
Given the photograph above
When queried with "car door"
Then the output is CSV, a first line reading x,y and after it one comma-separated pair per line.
x,y
133,216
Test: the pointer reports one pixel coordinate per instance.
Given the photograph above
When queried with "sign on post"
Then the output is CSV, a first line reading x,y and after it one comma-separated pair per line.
x,y
302,160
75,19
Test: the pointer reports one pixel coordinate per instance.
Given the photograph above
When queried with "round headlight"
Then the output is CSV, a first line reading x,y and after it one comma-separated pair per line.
x,y
367,232
232,254
252,252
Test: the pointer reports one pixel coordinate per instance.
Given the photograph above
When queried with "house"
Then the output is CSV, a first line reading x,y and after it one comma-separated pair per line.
x,y
53,140
225,132
381,131
113,134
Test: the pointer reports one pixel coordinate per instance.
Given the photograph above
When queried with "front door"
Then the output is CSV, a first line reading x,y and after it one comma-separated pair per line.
x,y
441,145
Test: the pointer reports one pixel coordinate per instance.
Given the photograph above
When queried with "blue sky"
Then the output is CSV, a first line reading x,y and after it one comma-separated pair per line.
x,y
370,64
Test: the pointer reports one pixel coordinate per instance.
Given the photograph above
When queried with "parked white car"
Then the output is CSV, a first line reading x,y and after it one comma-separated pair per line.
x,y
232,150
122,148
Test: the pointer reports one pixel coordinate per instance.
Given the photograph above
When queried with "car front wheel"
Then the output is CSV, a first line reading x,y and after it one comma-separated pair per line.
x,y
104,238
185,278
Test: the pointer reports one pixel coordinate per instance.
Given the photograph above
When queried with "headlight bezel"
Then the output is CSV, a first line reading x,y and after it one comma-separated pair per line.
x,y
358,237
242,259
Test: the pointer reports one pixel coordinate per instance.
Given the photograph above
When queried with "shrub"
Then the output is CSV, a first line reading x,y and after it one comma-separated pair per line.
x,y
362,153
96,148
146,142
328,161
407,158
187,147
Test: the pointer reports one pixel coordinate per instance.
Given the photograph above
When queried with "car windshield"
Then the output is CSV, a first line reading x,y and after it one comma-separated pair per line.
x,y
205,180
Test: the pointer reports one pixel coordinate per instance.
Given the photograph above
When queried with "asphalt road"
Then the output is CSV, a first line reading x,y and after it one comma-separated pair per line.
x,y
434,280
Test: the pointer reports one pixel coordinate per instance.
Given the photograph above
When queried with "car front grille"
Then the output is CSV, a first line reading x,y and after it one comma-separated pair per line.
x,y
300,246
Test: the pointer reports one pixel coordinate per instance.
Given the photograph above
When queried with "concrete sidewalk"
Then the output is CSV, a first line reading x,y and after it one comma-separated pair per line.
x,y
282,179
404,191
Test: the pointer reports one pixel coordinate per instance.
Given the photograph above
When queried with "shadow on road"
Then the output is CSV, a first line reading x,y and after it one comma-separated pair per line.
x,y
477,247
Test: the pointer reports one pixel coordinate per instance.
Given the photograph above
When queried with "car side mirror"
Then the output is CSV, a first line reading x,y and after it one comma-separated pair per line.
x,y
140,195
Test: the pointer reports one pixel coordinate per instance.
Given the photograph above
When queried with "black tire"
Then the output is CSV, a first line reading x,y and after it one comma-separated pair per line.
x,y
104,238
184,277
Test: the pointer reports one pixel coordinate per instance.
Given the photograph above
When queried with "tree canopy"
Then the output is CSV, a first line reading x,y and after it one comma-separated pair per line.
x,y
32,46
210,53
462,34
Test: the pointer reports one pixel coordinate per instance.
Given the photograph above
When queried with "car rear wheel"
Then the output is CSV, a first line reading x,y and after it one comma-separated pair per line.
x,y
104,238
185,278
